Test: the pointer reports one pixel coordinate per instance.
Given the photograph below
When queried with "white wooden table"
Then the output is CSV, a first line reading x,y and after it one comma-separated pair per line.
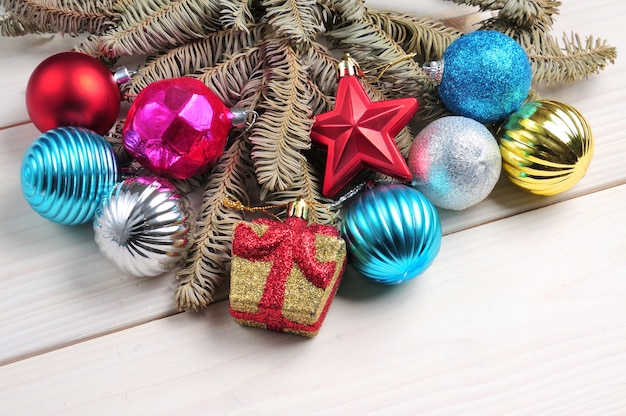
x,y
523,312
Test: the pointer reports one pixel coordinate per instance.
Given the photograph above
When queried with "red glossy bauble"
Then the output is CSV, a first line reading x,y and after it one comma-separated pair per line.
x,y
72,89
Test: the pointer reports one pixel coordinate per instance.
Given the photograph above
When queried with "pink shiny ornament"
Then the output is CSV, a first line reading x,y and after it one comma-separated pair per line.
x,y
177,127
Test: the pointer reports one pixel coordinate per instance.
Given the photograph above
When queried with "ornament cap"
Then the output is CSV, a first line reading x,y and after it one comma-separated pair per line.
x,y
348,66
242,118
298,208
123,75
434,70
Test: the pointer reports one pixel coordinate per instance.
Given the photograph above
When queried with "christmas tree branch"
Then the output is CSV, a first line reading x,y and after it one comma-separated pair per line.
x,y
228,78
205,266
298,21
155,25
193,56
426,37
322,70
282,129
237,14
12,26
576,61
38,16
555,64
346,10
521,13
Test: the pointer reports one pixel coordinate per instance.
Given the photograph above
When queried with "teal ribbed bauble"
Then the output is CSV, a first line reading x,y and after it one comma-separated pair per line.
x,y
392,233
66,172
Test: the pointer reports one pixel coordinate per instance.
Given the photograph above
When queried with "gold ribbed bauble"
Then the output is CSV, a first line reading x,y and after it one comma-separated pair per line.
x,y
546,147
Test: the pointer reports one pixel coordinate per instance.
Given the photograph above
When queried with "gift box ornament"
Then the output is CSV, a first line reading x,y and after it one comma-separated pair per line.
x,y
284,274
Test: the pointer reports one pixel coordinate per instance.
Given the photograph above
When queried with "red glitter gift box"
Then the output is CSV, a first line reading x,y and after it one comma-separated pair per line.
x,y
284,275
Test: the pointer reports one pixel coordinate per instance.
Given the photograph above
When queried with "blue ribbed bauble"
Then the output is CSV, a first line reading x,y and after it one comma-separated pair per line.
x,y
392,233
66,172
486,76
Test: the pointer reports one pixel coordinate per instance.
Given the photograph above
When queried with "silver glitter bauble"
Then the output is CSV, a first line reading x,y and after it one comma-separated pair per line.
x,y
455,162
144,226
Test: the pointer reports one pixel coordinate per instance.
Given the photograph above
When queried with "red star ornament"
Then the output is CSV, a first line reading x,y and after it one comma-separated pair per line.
x,y
360,134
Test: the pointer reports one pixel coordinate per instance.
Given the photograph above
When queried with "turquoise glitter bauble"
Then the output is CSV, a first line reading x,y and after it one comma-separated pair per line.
x,y
392,233
66,172
486,76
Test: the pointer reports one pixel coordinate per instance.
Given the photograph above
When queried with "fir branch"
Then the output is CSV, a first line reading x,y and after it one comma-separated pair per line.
x,y
228,78
322,70
153,25
426,37
237,14
520,13
552,63
251,93
346,10
282,129
66,16
530,13
205,266
12,26
89,46
193,56
576,61
320,102
298,21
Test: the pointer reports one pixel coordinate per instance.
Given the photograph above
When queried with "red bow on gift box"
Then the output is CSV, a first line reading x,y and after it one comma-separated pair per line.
x,y
285,245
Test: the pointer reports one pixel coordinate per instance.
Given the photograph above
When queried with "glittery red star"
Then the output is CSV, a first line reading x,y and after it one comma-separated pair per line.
x,y
360,134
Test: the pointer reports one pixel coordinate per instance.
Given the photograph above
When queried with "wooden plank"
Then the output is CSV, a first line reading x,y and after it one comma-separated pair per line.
x,y
522,316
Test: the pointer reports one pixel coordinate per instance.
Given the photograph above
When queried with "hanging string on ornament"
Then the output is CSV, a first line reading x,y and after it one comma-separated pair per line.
x,y
359,134
484,75
546,147
284,274
66,172
178,127
455,162
73,89
144,226
392,232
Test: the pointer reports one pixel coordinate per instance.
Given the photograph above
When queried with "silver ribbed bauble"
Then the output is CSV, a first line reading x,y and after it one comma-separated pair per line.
x,y
144,226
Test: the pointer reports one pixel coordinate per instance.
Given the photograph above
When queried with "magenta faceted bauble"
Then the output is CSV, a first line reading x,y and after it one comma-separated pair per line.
x,y
72,89
177,128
